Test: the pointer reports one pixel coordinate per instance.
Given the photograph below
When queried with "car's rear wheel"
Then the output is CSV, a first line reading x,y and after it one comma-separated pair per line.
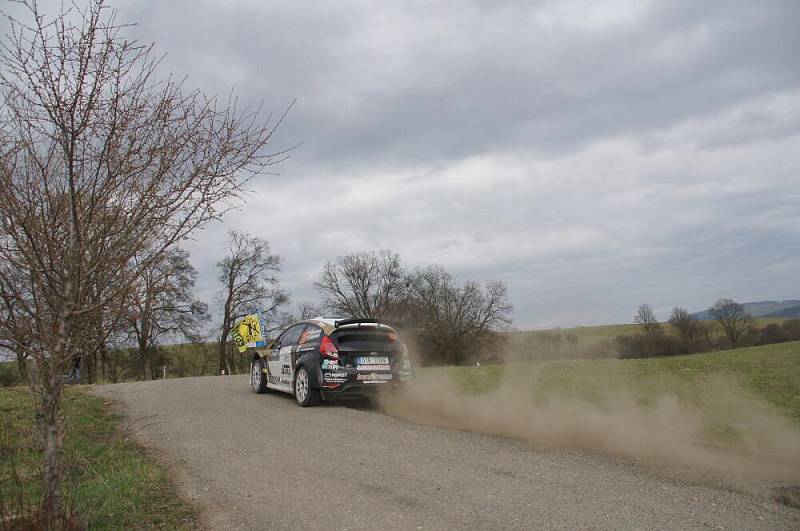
x,y
304,393
258,382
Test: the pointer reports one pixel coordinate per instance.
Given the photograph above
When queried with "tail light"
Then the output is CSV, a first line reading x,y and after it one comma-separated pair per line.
x,y
328,349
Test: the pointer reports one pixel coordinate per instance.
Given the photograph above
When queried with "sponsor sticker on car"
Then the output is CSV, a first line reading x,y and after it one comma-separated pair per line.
x,y
374,368
330,364
373,377
372,360
334,377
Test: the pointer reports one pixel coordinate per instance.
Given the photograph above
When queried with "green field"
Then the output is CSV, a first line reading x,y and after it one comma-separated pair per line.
x,y
743,400
771,373
110,482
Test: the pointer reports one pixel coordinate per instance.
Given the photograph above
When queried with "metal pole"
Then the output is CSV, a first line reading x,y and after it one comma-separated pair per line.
x,y
165,372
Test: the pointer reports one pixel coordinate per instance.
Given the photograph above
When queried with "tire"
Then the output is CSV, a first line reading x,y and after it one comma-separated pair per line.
x,y
304,394
258,382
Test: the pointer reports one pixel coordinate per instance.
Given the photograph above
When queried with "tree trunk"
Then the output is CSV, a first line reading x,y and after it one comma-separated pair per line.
x,y
103,352
144,350
113,369
91,367
146,372
224,363
51,508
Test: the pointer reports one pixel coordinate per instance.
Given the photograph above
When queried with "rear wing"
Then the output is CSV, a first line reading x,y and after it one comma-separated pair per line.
x,y
359,322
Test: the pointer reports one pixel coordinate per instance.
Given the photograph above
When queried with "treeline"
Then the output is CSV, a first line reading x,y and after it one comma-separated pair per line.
x,y
684,334
443,320
165,330
158,323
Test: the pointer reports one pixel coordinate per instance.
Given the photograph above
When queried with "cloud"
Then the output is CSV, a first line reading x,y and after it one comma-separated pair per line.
x,y
592,155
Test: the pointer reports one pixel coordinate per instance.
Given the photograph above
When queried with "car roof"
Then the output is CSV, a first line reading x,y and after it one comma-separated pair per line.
x,y
328,324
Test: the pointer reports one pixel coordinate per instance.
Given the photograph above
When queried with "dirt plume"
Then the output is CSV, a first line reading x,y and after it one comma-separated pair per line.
x,y
730,434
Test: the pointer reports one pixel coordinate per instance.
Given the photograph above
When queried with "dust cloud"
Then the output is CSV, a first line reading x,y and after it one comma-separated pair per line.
x,y
666,433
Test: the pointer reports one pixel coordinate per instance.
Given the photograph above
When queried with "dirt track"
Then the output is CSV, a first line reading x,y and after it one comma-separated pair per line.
x,y
260,462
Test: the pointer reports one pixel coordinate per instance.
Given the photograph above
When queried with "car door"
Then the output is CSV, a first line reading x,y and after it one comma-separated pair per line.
x,y
281,367
276,378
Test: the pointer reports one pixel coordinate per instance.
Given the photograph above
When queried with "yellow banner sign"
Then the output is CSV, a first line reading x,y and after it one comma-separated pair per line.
x,y
247,333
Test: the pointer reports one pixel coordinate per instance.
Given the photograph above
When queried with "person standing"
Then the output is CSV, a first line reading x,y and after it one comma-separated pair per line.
x,y
76,369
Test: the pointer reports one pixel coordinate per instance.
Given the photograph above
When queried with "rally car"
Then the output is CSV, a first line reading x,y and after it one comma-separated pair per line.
x,y
330,359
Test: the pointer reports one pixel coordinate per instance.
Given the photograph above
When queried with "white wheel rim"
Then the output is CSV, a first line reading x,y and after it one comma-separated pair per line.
x,y
301,386
255,375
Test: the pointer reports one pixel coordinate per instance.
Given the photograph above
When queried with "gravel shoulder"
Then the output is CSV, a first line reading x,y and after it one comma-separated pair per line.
x,y
260,462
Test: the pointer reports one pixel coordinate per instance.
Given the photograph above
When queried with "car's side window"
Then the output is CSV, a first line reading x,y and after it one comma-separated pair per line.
x,y
282,339
292,335
310,337
279,343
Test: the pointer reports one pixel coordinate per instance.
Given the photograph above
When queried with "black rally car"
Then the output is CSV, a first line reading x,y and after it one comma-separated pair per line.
x,y
329,359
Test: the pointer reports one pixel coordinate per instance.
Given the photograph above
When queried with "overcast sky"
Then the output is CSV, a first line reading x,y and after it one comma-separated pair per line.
x,y
592,155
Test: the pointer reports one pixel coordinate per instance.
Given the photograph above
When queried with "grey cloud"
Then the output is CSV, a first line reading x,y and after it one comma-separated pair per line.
x,y
383,86
592,155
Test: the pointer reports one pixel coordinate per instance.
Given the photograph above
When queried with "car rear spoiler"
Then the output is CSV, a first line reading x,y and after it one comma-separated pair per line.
x,y
359,322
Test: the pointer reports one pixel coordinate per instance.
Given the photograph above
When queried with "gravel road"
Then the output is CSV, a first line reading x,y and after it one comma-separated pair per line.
x,y
260,462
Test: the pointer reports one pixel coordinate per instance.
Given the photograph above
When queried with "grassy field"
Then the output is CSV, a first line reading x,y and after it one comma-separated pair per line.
x,y
109,482
771,372
727,389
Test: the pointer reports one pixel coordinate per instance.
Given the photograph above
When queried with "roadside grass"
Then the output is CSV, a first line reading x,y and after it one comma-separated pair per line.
x,y
110,482
724,386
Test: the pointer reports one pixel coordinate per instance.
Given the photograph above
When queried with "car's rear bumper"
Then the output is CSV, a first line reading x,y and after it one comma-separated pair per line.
x,y
359,390
338,382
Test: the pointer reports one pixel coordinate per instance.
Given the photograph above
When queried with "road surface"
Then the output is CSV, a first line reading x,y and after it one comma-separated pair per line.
x,y
260,462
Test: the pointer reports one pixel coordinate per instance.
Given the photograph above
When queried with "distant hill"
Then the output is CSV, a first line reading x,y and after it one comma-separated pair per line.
x,y
793,311
790,308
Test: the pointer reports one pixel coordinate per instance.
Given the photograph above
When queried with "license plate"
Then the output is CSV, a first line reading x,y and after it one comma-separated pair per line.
x,y
372,360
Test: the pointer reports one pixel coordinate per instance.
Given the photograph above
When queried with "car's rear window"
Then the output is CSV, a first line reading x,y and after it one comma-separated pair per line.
x,y
367,338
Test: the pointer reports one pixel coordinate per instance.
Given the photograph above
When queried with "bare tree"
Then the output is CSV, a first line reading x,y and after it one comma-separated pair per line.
x,y
249,285
688,328
301,311
99,161
732,317
161,306
367,284
455,321
647,319
307,310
